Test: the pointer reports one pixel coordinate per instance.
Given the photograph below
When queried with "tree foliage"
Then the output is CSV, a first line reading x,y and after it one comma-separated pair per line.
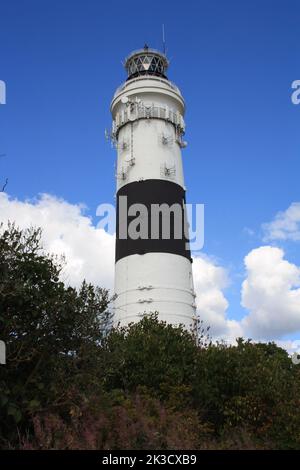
x,y
51,331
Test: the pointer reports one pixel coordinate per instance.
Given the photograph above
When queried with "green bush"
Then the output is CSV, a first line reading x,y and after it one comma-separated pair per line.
x,y
72,382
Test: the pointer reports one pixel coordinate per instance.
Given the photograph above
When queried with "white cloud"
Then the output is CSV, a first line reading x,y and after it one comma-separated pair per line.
x,y
292,346
271,293
89,251
285,226
210,280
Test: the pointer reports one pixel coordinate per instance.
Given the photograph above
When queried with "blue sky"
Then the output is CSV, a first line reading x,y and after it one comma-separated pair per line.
x,y
234,62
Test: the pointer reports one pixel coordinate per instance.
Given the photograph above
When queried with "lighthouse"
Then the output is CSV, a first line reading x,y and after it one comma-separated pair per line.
x,y
153,265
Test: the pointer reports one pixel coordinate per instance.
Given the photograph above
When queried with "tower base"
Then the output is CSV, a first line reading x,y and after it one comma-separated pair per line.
x,y
158,282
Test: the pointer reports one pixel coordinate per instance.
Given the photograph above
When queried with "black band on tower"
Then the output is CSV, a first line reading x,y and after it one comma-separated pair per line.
x,y
150,193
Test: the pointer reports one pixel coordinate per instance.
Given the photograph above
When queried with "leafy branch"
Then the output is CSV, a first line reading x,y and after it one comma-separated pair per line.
x,y
6,181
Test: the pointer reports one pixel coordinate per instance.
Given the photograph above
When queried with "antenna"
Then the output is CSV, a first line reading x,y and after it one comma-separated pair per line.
x,y
163,39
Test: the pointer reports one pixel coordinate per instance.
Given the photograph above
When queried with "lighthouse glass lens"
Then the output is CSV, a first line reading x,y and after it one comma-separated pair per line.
x,y
146,64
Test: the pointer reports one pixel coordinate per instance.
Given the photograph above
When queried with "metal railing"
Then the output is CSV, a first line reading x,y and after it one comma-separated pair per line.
x,y
141,111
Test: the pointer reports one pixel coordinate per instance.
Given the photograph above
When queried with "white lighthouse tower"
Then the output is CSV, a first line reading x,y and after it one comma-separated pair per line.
x,y
153,271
